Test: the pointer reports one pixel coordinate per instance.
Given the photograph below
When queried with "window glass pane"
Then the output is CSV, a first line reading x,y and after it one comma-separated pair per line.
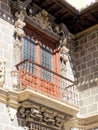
x,y
28,52
47,62
28,49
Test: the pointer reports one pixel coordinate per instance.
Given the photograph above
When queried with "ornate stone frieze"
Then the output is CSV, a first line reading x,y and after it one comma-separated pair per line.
x,y
2,73
31,111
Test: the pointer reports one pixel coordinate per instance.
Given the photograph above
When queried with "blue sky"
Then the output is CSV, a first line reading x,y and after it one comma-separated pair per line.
x,y
80,3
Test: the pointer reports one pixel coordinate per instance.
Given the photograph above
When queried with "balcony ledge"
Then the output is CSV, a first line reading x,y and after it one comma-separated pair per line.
x,y
13,99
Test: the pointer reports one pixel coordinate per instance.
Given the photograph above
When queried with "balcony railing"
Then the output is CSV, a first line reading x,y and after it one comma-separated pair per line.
x,y
47,82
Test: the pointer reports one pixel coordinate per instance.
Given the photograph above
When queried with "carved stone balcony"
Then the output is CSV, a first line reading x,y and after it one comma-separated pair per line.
x,y
47,83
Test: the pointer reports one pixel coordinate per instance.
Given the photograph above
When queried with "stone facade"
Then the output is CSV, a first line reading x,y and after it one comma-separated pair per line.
x,y
87,60
87,78
87,72
81,66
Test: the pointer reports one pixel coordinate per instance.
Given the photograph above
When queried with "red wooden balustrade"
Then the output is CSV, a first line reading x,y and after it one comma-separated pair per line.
x,y
46,82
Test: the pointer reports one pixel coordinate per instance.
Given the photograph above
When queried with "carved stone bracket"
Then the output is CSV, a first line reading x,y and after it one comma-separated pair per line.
x,y
2,73
31,111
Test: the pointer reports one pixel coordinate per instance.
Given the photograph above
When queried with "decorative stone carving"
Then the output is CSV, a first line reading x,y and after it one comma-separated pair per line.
x,y
19,24
49,118
18,12
58,121
15,83
36,114
12,113
41,114
43,20
2,73
63,53
62,30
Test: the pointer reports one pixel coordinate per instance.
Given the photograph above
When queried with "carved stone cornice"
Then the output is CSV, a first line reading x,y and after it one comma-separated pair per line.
x,y
31,111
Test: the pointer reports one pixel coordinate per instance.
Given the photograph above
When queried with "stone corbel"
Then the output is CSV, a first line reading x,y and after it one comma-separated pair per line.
x,y
2,73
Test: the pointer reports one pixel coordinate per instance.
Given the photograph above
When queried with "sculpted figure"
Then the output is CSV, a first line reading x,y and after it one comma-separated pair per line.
x,y
63,32
43,20
63,53
19,24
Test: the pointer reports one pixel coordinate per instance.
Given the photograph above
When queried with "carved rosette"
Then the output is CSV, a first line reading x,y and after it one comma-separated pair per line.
x,y
32,112
2,73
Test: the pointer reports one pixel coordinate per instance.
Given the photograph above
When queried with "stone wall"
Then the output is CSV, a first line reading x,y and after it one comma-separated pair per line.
x,y
87,72
6,55
87,60
6,49
9,121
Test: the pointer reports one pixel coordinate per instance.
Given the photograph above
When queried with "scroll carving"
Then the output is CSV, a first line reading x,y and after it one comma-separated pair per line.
x,y
2,73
